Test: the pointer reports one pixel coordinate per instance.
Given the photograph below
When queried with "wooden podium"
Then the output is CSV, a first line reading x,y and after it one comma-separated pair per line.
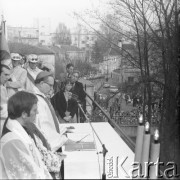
x,y
84,159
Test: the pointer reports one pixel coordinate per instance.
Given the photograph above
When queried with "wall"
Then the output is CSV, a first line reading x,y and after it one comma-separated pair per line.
x,y
48,59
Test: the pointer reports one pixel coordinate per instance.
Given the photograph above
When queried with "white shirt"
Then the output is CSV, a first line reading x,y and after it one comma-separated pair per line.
x,y
19,77
45,121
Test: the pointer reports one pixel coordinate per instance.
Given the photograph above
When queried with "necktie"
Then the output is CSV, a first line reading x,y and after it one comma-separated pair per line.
x,y
53,113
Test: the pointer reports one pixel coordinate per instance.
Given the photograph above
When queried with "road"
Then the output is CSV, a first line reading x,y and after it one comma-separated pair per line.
x,y
106,91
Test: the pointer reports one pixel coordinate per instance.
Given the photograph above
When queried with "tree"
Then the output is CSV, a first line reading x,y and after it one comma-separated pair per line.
x,y
96,54
62,35
84,67
152,25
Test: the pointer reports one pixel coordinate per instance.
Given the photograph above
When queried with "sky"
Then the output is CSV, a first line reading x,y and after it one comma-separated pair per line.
x,y
22,12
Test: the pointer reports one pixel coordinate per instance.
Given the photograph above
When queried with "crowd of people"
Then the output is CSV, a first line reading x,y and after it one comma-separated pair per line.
x,y
32,109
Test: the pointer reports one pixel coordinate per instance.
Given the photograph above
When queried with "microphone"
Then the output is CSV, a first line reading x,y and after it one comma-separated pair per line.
x,y
104,150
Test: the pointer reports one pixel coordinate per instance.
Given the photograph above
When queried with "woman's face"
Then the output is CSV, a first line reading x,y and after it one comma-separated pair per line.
x,y
68,87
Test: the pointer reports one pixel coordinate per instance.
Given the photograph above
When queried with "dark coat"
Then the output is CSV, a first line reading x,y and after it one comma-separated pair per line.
x,y
78,90
61,106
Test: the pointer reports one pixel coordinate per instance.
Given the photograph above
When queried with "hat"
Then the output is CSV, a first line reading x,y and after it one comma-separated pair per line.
x,y
42,75
33,58
15,57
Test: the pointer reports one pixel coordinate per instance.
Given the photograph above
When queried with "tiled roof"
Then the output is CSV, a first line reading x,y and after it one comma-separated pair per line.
x,y
26,49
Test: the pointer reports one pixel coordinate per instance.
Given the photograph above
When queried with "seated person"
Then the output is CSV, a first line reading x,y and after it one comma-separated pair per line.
x,y
51,159
20,158
65,106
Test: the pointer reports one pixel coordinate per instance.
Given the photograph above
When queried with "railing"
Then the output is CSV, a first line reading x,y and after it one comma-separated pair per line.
x,y
116,127
123,135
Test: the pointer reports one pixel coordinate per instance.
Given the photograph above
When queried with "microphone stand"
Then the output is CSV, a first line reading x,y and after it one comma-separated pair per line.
x,y
104,150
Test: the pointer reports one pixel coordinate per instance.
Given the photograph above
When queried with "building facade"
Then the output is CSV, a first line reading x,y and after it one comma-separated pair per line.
x,y
26,35
83,38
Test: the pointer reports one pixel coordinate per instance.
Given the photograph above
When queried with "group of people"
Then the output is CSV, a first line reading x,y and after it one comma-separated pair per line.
x,y
31,114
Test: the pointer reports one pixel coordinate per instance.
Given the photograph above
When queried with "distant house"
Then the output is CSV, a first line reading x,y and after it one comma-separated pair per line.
x,y
112,61
126,72
46,56
69,53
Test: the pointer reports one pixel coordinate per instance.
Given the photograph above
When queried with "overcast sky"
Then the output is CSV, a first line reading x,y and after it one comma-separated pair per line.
x,y
22,12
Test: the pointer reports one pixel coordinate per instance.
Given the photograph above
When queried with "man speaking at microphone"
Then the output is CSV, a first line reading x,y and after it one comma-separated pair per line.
x,y
78,93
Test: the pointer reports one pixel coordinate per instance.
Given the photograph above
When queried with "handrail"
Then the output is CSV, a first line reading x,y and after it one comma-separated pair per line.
x,y
124,136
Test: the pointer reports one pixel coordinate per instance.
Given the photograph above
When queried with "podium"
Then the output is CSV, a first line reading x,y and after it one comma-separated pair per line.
x,y
85,160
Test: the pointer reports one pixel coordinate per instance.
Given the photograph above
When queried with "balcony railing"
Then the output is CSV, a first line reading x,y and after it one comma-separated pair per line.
x,y
123,135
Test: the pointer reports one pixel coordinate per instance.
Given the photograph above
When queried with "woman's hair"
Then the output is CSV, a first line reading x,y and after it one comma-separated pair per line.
x,y
67,81
21,102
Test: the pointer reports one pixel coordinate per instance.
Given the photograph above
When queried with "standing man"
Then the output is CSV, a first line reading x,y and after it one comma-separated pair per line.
x,y
18,76
78,92
46,119
5,74
32,72
67,74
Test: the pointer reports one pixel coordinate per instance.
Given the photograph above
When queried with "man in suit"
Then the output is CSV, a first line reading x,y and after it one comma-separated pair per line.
x,y
66,75
78,92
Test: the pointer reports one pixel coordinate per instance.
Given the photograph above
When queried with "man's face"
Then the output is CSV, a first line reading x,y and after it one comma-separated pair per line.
x,y
70,69
5,75
47,86
32,65
15,63
32,115
75,77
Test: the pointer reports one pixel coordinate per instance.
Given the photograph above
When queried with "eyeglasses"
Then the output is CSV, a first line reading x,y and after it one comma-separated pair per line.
x,y
34,59
15,57
51,85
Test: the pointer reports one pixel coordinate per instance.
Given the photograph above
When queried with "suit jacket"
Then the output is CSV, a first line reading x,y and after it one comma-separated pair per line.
x,y
61,106
78,90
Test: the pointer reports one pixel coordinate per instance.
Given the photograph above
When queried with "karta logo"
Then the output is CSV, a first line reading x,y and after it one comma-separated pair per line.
x,y
115,165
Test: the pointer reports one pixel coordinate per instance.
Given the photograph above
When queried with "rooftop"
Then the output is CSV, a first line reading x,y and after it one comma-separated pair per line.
x,y
26,49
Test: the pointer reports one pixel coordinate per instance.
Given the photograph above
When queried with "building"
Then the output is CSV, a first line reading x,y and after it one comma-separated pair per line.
x,y
111,61
39,34
126,72
83,38
44,27
26,35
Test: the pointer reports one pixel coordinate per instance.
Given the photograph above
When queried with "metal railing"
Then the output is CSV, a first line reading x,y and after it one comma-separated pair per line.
x,y
121,133
116,127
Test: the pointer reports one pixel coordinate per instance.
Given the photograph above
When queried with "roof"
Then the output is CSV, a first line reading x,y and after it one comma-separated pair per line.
x,y
116,51
26,49
65,48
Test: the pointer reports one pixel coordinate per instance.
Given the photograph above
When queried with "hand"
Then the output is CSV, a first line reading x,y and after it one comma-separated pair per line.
x,y
67,118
